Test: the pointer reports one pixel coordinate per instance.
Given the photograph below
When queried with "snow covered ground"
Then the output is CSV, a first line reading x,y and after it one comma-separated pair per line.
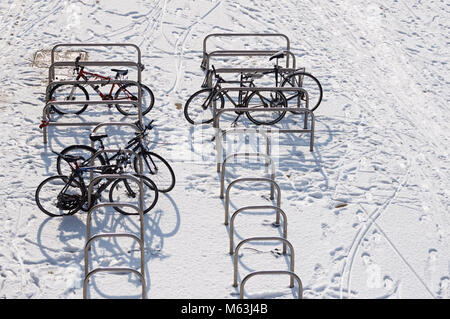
x,y
368,210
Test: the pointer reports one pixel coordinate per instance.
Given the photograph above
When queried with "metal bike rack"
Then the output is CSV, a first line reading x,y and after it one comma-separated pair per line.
x,y
268,159
278,212
241,35
102,151
252,179
272,272
139,240
222,133
142,279
138,51
46,111
236,256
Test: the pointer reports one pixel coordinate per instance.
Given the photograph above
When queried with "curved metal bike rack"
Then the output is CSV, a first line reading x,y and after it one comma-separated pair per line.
x,y
142,279
240,210
269,160
102,151
273,184
272,272
236,256
241,35
139,240
222,133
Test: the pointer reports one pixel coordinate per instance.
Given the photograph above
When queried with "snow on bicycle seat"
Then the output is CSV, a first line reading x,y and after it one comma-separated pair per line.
x,y
95,137
120,72
278,55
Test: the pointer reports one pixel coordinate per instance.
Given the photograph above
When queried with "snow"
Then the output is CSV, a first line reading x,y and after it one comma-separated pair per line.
x,y
367,210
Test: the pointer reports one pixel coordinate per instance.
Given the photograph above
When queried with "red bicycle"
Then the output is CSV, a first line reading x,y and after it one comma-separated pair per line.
x,y
70,92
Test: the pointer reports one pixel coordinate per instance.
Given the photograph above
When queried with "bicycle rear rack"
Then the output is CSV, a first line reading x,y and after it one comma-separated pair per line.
x,y
139,240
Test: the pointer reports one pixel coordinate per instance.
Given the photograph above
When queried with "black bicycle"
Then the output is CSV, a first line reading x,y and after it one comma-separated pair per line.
x,y
297,79
199,107
154,165
63,195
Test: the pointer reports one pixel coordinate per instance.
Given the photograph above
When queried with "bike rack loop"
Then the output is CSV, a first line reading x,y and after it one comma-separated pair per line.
x,y
222,133
118,176
142,279
141,183
278,109
280,35
272,272
252,179
236,256
46,110
132,125
278,212
268,158
138,50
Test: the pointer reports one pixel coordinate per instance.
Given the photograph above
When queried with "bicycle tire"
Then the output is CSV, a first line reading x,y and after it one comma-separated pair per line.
x,y
162,187
274,121
61,111
122,108
189,105
42,200
147,181
314,89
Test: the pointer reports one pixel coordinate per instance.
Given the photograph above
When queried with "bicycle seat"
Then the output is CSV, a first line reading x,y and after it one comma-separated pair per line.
x,y
98,137
120,72
72,158
278,55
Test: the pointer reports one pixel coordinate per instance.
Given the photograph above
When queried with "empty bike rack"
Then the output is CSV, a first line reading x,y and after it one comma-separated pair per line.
x,y
236,256
222,133
278,211
252,179
139,240
272,272
268,159
205,61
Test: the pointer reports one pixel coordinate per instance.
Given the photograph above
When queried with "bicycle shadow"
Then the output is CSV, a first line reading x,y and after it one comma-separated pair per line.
x,y
111,252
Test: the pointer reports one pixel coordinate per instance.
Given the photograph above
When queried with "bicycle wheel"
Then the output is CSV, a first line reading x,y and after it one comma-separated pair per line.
x,y
307,82
127,191
66,92
199,107
158,169
84,151
265,100
56,198
130,92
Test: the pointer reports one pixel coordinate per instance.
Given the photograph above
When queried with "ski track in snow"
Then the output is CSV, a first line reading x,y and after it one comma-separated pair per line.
x,y
367,210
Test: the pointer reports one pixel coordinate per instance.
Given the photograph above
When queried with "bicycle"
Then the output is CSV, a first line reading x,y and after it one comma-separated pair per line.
x,y
63,195
70,92
154,165
297,79
201,102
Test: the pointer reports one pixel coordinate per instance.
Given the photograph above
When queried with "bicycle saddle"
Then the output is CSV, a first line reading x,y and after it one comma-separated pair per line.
x,y
72,158
120,72
278,55
95,138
